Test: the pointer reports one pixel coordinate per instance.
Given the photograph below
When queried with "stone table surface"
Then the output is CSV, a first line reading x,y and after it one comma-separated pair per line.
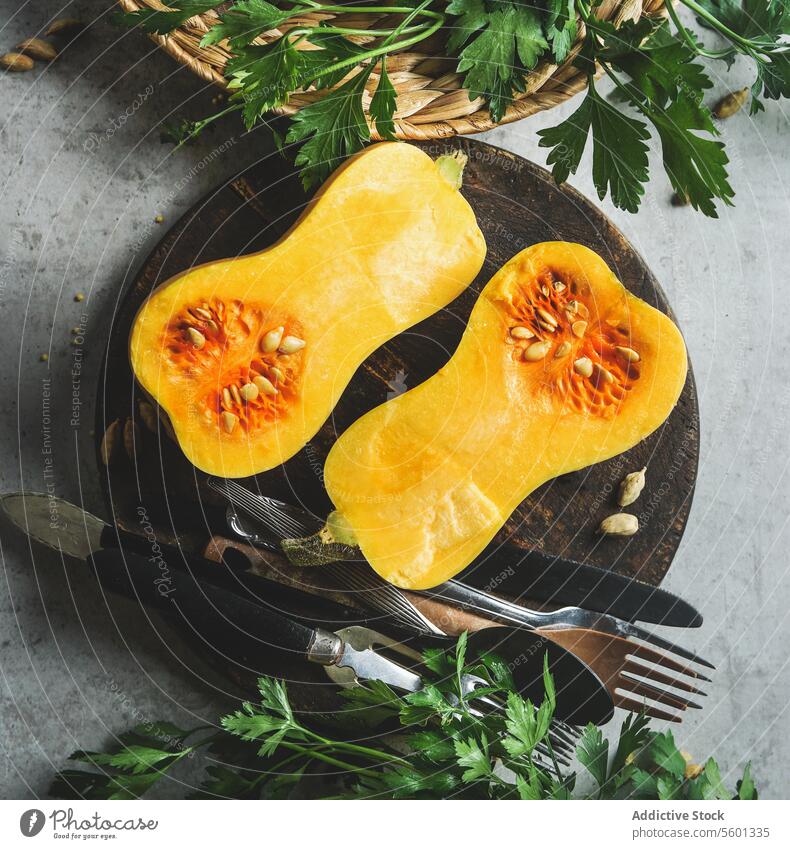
x,y
85,175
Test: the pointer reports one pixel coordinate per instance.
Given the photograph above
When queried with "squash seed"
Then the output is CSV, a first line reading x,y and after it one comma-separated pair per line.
x,y
212,325
583,366
563,350
249,392
619,525
202,313
37,48
109,442
271,340
148,415
229,422
226,399
196,337
545,290
16,62
131,438
291,344
579,328
547,317
234,391
559,286
65,25
277,374
521,332
264,385
628,354
549,328
536,351
730,103
631,487
572,307
582,310
603,374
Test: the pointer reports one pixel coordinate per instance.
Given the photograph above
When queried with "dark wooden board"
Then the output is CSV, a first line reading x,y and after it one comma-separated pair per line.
x,y
517,204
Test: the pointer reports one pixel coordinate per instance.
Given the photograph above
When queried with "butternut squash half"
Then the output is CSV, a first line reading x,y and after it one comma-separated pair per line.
x,y
559,368
248,356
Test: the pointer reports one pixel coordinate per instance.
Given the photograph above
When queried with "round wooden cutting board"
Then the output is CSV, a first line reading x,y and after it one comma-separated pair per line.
x,y
517,204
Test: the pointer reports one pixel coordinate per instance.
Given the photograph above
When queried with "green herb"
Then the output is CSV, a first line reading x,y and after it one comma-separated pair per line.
x,y
653,65
428,745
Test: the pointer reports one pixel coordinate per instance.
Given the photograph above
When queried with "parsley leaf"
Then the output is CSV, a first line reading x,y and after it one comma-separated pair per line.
x,y
382,105
244,21
593,753
561,27
473,754
161,22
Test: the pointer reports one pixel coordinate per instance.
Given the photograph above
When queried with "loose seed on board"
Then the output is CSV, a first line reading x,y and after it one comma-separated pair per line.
x,y
148,415
521,332
579,328
547,316
226,399
603,374
37,48
291,344
271,340
549,328
229,422
196,337
563,349
628,354
730,103
65,25
234,391
249,392
536,351
583,366
109,442
16,62
619,525
631,488
131,438
264,385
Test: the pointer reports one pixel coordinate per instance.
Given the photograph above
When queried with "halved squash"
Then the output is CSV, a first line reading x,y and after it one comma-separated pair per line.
x,y
248,356
559,368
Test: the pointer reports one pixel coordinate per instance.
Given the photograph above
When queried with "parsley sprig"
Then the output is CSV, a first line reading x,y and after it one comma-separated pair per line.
x,y
430,744
655,67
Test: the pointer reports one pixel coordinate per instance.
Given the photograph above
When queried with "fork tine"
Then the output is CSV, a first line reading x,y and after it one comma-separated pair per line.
x,y
642,688
656,675
661,659
639,707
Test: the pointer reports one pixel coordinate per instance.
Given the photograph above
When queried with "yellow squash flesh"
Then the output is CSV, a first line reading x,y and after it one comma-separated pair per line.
x,y
386,242
427,479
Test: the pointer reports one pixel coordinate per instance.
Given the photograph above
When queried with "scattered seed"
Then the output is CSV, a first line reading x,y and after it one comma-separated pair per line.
x,y
536,351
65,25
579,328
583,366
148,415
631,488
619,525
521,332
547,316
37,48
563,349
603,374
16,62
291,344
628,354
249,392
277,374
75,330
549,328
79,297
131,438
264,385
229,422
226,399
271,340
159,219
109,442
196,337
44,358
679,199
234,391
730,103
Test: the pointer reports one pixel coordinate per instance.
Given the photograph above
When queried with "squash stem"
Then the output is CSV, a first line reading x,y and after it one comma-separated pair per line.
x,y
451,167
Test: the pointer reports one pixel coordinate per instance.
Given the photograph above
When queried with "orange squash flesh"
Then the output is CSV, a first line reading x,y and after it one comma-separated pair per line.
x,y
427,479
248,356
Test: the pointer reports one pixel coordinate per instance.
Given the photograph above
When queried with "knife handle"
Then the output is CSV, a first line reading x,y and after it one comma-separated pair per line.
x,y
209,610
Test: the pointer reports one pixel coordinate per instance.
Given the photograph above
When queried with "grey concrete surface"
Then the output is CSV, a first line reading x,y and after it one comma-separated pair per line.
x,y
84,174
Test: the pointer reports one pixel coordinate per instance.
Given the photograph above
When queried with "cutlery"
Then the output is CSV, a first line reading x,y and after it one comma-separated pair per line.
x,y
514,571
235,624
283,520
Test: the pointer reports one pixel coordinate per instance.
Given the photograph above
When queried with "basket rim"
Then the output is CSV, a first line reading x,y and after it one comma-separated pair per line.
x,y
558,83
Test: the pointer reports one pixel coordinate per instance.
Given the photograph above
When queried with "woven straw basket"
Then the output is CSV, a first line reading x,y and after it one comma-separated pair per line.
x,y
431,101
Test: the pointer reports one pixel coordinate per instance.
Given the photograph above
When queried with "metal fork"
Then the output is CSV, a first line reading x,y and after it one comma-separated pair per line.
x,y
286,522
